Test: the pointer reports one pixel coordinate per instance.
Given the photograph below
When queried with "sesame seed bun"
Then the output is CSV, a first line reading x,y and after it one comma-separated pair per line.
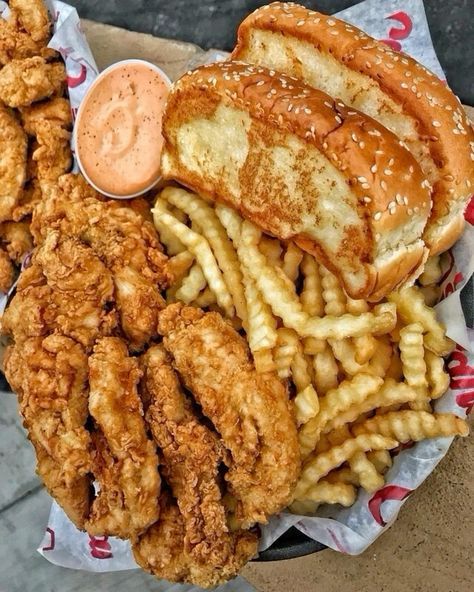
x,y
302,167
391,87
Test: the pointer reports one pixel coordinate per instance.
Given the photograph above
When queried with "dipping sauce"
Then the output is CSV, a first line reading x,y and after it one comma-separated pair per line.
x,y
118,129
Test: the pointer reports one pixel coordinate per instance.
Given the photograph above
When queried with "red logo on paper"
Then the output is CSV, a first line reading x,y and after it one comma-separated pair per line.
x,y
75,81
52,540
389,492
469,213
396,34
462,378
337,542
100,547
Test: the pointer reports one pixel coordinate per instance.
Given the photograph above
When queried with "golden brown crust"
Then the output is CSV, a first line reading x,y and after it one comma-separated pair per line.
x,y
441,121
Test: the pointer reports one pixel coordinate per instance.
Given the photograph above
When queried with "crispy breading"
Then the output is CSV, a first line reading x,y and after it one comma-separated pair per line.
x,y
7,271
17,45
23,82
161,551
16,237
29,197
56,111
250,411
32,16
116,408
13,154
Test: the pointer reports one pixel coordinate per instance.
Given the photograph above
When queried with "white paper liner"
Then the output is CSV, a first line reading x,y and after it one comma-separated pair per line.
x,y
403,25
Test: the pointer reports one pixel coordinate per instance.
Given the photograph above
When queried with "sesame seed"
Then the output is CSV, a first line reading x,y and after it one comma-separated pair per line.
x,y
354,137
404,85
416,209
290,107
436,123
391,162
297,110
414,89
366,199
377,216
390,66
331,22
373,168
307,111
325,145
368,65
338,119
273,91
362,179
468,183
405,200
407,73
365,186
334,33
387,172
300,23
392,210
383,184
410,211
361,145
260,82
399,199
377,236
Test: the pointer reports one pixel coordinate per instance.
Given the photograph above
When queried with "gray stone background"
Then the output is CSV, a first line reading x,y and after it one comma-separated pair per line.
x,y
212,23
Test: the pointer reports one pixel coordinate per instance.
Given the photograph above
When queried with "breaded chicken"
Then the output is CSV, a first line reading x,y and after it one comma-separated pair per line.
x,y
250,411
122,237
161,551
13,155
17,240
50,377
29,197
67,289
7,271
32,16
18,45
56,111
191,455
23,82
129,459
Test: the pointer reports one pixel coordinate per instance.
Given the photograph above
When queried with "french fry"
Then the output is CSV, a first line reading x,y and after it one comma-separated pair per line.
x,y
325,371
345,475
431,294
438,378
319,466
285,351
345,353
200,248
312,346
391,393
263,360
210,226
191,285
260,324
333,294
179,265
306,405
291,261
381,460
380,362
432,271
325,492
272,250
305,508
311,296
395,369
412,309
407,425
369,478
365,345
205,298
412,354
339,435
348,394
167,238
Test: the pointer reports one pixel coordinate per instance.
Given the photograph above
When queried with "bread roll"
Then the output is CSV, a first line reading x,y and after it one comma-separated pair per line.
x,y
391,87
302,167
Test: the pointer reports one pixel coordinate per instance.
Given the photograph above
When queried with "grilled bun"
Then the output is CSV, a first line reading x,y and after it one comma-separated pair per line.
x,y
302,167
391,87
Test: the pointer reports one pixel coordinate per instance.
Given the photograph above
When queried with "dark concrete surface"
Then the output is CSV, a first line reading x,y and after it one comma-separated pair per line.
x,y
212,23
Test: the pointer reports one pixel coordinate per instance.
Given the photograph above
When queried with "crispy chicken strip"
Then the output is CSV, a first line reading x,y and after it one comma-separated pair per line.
x,y
29,197
13,154
191,454
15,44
67,289
56,111
23,82
250,411
50,377
130,456
161,551
32,16
17,239
123,238
7,271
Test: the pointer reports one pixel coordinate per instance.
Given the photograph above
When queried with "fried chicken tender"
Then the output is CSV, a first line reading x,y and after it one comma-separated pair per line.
x,y
161,551
50,377
67,289
17,239
122,237
13,155
191,455
128,458
250,411
23,82
29,197
7,271
32,16
17,45
56,111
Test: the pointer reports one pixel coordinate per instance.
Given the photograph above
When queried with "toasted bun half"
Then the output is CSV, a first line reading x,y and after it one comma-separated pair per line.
x,y
391,87
302,167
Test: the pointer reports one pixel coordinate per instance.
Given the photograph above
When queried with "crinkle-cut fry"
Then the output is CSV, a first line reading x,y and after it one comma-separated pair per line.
x,y
167,237
260,324
325,370
422,404
432,271
381,460
406,426
391,393
263,360
178,265
323,444
345,353
369,478
395,370
191,285
285,351
325,492
348,394
345,474
431,294
300,371
275,288
365,345
412,354
380,362
306,405
205,298
312,346
272,249
319,466
304,508
333,294
438,378
211,227
291,261
412,309
339,435
200,248
312,294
